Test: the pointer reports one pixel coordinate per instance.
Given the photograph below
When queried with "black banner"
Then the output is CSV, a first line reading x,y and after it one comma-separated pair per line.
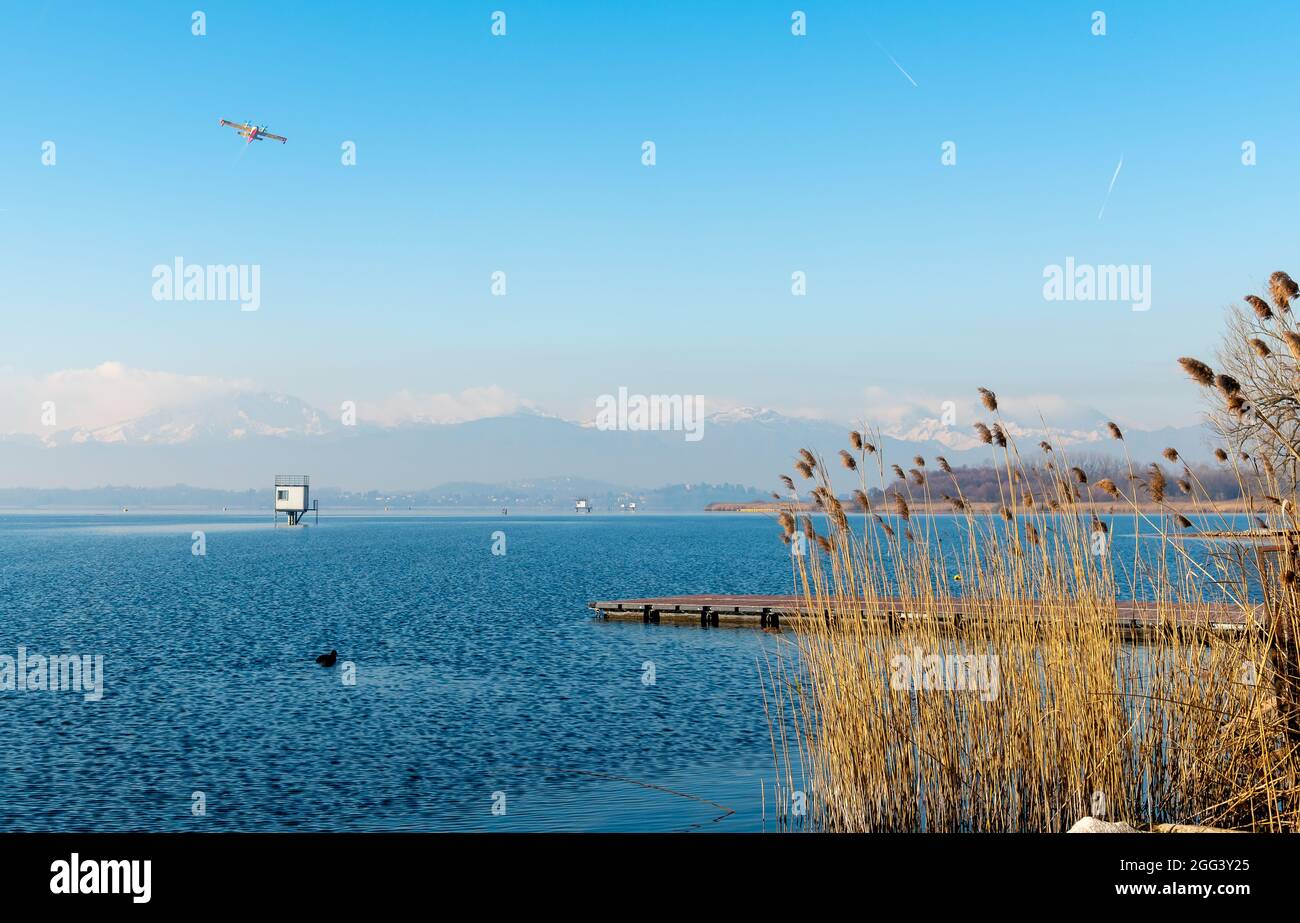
x,y
366,871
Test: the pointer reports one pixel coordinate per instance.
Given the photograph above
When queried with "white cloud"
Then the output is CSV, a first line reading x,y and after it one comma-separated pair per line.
x,y
103,399
101,396
893,412
470,404
898,413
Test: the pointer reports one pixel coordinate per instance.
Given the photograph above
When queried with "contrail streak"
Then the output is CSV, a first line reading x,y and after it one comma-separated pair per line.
x,y
1111,189
896,64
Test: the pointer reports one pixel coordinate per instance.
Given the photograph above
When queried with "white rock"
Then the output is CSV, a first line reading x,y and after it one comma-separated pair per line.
x,y
1093,825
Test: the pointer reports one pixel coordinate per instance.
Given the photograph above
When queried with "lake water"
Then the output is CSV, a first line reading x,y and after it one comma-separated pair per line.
x,y
477,675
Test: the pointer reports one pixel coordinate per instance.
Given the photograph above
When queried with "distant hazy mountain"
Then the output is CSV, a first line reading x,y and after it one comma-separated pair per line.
x,y
243,442
242,417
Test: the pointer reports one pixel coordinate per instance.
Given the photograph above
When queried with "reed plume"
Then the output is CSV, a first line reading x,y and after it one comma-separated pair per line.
x,y
1227,384
1292,341
1283,289
1156,483
1260,306
1198,370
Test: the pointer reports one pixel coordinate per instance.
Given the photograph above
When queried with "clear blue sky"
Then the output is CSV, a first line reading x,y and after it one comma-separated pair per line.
x,y
522,153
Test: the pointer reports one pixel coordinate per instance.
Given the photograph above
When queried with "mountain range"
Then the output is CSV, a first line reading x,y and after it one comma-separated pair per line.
x,y
238,442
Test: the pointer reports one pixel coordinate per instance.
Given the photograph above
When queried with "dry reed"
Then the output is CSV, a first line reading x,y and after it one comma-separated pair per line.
x,y
1183,726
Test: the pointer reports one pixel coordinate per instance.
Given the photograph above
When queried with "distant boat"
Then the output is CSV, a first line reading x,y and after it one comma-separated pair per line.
x,y
583,505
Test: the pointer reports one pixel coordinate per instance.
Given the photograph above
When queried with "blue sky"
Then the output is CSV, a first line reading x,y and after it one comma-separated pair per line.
x,y
522,153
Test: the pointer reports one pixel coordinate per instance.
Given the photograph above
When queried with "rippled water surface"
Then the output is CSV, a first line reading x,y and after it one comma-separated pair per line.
x,y
475,674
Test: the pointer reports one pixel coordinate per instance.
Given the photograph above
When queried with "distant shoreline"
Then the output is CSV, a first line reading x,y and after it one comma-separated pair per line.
x,y
1239,506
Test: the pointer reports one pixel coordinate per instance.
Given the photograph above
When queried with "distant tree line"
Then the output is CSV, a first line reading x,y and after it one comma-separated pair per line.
x,y
986,484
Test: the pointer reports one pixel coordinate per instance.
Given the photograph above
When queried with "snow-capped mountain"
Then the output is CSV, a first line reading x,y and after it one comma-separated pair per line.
x,y
244,439
242,416
1083,426
744,415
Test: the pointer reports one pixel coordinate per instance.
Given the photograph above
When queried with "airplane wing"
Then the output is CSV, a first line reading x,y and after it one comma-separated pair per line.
x,y
239,126
273,137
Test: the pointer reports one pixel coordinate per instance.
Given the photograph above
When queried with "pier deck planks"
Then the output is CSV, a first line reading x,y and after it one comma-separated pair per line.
x,y
1135,618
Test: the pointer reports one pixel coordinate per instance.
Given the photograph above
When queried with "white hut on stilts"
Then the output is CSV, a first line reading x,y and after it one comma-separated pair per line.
x,y
293,498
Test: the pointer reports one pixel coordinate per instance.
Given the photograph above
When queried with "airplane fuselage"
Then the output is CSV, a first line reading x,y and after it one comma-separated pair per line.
x,y
250,132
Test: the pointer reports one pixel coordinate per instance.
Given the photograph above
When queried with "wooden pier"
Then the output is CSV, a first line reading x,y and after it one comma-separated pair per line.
x,y
1134,619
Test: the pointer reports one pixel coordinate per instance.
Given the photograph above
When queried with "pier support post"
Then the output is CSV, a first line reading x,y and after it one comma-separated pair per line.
x,y
1285,653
